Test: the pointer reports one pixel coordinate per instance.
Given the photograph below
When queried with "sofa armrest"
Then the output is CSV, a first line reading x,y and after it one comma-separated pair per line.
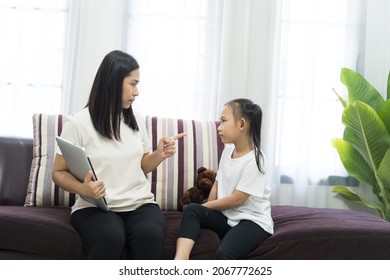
x,y
15,164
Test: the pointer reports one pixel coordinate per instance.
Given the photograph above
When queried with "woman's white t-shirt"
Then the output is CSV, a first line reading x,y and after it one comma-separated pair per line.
x,y
116,163
242,174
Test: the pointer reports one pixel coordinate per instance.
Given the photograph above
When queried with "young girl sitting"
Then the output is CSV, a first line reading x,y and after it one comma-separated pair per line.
x,y
238,208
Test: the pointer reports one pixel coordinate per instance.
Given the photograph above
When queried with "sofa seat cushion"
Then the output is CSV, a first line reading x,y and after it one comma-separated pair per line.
x,y
317,233
42,231
47,231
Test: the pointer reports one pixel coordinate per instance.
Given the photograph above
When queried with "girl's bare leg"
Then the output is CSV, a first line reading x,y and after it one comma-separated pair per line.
x,y
183,248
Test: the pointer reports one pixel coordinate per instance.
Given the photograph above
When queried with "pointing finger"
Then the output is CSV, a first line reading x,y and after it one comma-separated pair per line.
x,y
180,135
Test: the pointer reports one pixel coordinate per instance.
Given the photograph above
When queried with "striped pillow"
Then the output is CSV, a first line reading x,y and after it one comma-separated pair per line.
x,y
41,189
201,147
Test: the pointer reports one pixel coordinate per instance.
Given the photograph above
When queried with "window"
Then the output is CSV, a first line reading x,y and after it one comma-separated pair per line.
x,y
317,39
32,52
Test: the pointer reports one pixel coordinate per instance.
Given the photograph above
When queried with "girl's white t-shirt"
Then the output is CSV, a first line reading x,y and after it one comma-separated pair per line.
x,y
116,163
242,174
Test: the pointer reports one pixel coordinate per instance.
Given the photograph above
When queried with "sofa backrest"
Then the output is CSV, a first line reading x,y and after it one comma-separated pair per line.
x,y
15,163
201,147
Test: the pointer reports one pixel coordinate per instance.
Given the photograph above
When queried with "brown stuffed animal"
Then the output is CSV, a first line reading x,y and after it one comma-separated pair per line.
x,y
200,191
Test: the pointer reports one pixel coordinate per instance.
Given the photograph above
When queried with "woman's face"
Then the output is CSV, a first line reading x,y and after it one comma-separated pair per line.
x,y
130,90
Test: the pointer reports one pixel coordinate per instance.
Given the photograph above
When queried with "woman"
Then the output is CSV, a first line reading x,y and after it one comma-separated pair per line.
x,y
116,140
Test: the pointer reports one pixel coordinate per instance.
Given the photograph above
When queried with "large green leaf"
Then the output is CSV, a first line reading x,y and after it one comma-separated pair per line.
x,y
367,133
384,171
360,89
341,99
384,114
355,164
352,196
346,193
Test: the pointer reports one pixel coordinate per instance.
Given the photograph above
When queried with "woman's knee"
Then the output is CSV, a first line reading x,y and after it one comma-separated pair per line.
x,y
224,254
114,237
107,245
149,230
146,241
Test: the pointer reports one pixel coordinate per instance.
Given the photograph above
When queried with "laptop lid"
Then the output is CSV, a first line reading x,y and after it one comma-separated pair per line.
x,y
79,165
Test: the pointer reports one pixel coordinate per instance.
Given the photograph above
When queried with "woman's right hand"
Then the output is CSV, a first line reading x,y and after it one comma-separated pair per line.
x,y
92,188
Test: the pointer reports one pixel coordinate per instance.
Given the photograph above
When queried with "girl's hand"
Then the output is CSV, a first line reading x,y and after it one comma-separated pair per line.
x,y
91,188
167,145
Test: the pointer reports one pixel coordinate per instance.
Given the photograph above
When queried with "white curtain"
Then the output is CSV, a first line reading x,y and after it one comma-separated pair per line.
x,y
196,55
177,44
316,39
246,66
377,44
32,59
96,29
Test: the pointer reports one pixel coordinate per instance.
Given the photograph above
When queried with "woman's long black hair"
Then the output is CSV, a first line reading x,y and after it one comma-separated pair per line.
x,y
105,99
245,108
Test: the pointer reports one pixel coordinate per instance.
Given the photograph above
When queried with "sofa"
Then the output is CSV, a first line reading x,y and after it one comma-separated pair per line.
x,y
35,213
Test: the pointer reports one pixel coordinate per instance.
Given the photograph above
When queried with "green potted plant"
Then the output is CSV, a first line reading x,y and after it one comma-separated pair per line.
x,y
365,147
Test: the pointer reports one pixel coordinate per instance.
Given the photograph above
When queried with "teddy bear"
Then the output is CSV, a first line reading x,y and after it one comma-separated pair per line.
x,y
200,191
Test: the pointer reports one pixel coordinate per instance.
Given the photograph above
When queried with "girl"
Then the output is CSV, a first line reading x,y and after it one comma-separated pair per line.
x,y
238,208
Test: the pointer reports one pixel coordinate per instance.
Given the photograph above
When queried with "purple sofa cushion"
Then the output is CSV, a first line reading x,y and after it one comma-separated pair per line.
x,y
317,233
44,231
300,233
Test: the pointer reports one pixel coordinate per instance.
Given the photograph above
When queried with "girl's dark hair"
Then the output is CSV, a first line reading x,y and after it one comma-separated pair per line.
x,y
105,99
245,108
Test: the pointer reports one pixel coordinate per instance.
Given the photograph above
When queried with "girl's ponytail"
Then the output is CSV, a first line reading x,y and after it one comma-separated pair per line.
x,y
255,129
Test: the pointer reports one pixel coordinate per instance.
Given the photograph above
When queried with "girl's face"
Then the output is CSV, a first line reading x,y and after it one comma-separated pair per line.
x,y
129,89
229,129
